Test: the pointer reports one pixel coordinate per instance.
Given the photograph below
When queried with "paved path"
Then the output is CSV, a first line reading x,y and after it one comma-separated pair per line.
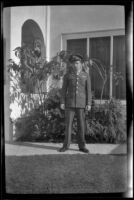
x,y
30,148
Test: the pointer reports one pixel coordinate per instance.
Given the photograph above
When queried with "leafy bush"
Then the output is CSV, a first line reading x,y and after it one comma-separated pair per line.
x,y
105,123
39,126
42,119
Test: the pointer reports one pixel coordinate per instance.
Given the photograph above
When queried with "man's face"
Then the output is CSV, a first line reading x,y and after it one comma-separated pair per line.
x,y
77,65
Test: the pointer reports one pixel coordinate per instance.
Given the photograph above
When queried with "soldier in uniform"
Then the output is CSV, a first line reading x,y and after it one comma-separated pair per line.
x,y
75,98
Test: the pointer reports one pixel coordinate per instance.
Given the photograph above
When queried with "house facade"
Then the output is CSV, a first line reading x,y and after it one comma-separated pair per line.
x,y
93,31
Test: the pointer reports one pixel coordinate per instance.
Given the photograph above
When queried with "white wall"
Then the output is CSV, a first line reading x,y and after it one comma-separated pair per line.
x,y
69,19
64,19
19,15
13,19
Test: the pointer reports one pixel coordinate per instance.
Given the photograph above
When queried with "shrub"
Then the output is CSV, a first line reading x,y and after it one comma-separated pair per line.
x,y
39,126
104,123
42,119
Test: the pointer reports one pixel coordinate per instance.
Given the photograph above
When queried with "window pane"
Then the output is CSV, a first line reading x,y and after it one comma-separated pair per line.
x,y
78,46
119,91
100,49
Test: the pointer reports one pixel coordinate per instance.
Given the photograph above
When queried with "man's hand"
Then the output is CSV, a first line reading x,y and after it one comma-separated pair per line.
x,y
62,106
88,108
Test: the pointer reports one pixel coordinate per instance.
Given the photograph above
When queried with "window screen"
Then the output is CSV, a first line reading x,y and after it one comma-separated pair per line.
x,y
119,91
100,49
77,46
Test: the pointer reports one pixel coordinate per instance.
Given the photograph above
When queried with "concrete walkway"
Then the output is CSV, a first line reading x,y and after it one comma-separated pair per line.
x,y
30,148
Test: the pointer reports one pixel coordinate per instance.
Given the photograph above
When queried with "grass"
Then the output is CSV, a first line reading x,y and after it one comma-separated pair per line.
x,y
44,174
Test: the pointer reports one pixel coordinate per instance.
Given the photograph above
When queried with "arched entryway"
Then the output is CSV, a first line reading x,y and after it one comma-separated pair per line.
x,y
32,36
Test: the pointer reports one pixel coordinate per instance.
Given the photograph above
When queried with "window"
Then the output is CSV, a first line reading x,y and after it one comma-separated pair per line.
x,y
78,46
100,49
107,46
119,91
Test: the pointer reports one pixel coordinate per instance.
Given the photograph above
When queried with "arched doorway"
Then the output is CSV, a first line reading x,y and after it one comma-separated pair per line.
x,y
32,36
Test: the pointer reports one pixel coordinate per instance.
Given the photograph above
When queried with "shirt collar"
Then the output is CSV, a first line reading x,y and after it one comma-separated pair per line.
x,y
74,72
79,72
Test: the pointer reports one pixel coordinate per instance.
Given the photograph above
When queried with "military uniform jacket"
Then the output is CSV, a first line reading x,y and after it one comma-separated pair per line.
x,y
76,90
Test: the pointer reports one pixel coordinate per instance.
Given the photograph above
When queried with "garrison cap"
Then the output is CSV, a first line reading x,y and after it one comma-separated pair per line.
x,y
76,57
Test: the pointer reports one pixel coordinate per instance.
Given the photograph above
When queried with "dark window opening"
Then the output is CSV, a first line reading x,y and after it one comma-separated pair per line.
x,y
119,90
100,49
77,46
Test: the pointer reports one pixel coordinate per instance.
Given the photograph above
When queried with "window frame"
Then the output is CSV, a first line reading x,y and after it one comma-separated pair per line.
x,y
94,34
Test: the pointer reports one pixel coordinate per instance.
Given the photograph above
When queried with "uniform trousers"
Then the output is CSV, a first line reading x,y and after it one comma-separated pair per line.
x,y
69,116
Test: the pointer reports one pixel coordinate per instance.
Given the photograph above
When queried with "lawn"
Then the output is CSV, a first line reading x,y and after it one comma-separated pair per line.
x,y
79,173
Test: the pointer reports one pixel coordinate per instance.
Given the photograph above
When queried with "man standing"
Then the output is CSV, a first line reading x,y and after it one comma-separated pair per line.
x,y
76,97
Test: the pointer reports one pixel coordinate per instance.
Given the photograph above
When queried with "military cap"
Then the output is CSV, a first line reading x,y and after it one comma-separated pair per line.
x,y
75,57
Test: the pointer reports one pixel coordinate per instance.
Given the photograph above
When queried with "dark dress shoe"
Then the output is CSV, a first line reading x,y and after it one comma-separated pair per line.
x,y
84,150
63,149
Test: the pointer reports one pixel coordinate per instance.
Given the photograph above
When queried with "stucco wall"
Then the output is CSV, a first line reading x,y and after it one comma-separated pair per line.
x,y
69,19
19,15
13,19
64,19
